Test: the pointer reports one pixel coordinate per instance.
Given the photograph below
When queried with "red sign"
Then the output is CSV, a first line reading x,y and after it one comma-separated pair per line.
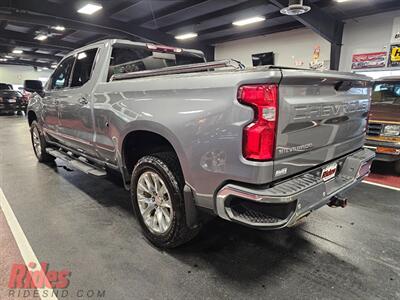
x,y
369,60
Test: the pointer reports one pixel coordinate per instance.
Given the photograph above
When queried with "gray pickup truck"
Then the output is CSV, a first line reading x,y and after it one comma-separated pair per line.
x,y
262,147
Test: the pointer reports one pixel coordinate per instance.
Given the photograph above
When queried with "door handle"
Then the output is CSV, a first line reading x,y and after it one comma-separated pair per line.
x,y
83,101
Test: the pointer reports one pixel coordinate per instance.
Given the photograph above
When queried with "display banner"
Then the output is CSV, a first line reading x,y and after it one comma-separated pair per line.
x,y
394,57
369,60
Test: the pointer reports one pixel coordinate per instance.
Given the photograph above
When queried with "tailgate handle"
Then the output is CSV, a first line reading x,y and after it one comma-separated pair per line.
x,y
344,85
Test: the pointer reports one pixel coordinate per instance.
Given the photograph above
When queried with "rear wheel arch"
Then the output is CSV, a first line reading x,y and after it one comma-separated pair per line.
x,y
139,143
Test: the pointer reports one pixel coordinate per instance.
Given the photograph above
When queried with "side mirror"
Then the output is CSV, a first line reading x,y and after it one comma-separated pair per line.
x,y
33,86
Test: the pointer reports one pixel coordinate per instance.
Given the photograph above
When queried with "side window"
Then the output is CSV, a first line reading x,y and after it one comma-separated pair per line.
x,y
60,77
83,67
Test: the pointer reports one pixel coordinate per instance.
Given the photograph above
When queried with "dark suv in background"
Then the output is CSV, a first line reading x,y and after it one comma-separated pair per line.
x,y
11,100
383,133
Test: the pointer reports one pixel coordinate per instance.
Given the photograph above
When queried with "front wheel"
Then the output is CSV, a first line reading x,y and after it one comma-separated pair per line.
x,y
39,144
157,197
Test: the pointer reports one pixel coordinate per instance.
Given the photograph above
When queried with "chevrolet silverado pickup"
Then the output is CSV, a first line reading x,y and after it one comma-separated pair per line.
x,y
383,134
262,146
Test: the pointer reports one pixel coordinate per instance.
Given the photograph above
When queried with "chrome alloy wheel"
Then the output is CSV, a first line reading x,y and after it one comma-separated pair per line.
x,y
154,202
36,141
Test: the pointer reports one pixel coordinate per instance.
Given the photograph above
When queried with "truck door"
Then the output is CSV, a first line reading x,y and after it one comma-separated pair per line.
x,y
55,88
76,121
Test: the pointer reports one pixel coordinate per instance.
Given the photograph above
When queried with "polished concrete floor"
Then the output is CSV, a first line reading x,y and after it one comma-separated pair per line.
x,y
86,225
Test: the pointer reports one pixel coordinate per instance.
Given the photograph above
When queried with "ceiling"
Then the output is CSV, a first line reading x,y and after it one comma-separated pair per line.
x,y
150,20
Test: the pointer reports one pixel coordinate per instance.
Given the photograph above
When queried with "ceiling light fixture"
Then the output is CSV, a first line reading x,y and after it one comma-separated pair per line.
x,y
185,36
58,28
17,51
295,8
41,37
248,21
90,9
53,66
8,56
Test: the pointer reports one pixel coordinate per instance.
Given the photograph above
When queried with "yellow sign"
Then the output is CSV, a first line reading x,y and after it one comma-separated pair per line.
x,y
395,54
394,58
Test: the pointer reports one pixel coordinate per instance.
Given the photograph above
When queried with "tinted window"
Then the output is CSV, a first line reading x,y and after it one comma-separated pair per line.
x,y
125,59
83,67
60,77
4,86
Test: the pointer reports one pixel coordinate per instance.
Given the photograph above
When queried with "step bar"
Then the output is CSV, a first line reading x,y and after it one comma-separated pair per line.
x,y
80,163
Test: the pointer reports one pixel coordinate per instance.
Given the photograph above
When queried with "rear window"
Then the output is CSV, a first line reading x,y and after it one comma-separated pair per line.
x,y
10,94
126,59
4,86
388,92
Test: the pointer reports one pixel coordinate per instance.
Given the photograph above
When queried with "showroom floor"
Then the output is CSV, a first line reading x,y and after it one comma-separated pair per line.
x,y
80,223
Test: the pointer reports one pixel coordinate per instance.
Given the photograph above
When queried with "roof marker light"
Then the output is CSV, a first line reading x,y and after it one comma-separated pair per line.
x,y
163,48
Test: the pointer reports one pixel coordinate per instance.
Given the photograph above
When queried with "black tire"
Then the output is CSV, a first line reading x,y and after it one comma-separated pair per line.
x,y
41,154
397,167
166,165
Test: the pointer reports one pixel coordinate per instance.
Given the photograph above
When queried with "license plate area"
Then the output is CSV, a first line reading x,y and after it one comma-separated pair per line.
x,y
329,172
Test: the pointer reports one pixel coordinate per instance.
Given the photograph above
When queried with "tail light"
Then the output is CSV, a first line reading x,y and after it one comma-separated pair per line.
x,y
259,136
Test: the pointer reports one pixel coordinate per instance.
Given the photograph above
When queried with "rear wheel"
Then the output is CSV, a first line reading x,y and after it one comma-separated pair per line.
x,y
39,144
157,197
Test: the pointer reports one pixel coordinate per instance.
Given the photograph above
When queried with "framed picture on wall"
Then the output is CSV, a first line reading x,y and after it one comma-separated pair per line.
x,y
263,59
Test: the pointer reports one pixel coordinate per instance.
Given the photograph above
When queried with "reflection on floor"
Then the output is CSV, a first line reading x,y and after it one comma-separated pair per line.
x,y
383,173
86,225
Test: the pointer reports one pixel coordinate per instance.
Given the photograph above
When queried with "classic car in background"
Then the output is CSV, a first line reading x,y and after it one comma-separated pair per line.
x,y
383,133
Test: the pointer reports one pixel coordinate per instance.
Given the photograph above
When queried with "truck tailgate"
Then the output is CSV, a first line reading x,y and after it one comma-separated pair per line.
x,y
322,116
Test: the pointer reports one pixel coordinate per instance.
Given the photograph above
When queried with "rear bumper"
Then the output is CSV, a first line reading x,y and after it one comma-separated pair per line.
x,y
4,106
288,201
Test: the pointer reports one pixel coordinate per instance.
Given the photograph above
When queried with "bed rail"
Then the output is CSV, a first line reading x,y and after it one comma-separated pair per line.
x,y
180,69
